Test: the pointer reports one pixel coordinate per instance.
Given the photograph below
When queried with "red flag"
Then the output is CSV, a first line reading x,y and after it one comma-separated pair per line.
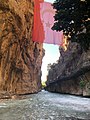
x,y
44,32
38,31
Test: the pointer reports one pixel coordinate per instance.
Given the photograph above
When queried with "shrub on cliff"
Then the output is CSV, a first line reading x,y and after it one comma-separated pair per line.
x,y
73,17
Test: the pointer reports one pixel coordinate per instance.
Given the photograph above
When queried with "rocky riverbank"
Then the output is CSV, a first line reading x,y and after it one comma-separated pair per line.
x,y
45,106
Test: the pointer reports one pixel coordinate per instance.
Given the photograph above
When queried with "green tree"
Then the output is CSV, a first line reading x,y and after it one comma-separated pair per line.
x,y
73,17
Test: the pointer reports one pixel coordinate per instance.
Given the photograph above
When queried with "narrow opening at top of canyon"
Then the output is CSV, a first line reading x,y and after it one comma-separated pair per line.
x,y
51,56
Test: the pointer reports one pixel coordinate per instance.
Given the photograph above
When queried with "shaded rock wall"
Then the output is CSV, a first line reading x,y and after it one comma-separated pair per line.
x,y
20,57
72,72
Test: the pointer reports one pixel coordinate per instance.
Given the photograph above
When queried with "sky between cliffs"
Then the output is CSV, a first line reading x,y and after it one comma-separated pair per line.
x,y
51,54
51,1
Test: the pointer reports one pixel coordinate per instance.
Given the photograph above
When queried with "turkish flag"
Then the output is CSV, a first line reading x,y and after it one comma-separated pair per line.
x,y
44,22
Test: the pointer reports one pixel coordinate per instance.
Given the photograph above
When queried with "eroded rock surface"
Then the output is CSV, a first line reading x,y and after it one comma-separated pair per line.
x,y
72,72
20,57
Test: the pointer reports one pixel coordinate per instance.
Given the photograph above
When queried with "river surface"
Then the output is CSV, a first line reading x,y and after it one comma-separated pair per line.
x,y
45,106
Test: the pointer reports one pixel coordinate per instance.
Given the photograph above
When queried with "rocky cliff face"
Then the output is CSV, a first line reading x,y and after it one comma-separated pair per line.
x,y
20,57
72,72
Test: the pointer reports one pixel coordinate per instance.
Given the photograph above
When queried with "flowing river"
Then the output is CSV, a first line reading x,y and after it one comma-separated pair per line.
x,y
45,106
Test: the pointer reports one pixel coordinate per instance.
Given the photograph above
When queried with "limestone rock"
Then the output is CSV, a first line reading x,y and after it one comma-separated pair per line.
x,y
72,72
20,57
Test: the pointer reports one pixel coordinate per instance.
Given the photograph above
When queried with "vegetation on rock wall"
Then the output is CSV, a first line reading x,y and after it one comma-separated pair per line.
x,y
73,17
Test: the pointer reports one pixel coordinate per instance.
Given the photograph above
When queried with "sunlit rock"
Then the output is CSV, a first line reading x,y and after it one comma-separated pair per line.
x,y
20,57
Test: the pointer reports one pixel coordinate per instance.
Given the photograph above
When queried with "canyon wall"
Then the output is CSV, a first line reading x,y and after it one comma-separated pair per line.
x,y
20,57
72,72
